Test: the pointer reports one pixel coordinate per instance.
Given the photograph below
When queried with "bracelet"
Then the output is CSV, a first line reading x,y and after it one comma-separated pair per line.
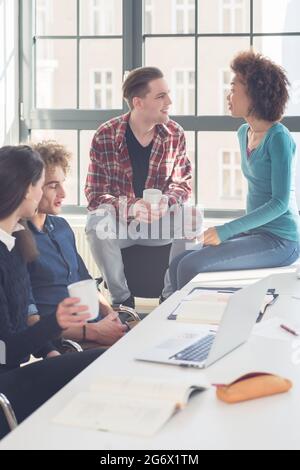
x,y
84,333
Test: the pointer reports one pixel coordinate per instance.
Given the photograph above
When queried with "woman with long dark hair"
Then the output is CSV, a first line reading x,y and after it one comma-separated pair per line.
x,y
27,388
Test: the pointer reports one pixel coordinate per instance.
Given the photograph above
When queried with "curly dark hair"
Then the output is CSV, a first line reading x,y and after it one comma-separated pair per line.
x,y
266,83
53,154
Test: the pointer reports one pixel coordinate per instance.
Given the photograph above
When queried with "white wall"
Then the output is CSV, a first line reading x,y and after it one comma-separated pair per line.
x,y
9,122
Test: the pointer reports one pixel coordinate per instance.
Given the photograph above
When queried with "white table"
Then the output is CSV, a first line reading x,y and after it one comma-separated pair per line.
x,y
287,283
206,423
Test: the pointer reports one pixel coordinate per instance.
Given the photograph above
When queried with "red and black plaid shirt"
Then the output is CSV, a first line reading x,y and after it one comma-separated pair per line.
x,y
110,172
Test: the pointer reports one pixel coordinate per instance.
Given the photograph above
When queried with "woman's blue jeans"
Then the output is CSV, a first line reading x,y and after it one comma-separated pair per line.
x,y
245,251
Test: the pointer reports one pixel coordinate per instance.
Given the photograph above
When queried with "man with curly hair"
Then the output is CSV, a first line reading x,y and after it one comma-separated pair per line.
x,y
268,235
59,263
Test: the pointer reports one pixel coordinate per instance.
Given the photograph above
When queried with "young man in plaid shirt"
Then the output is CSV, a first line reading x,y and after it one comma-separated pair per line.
x,y
140,150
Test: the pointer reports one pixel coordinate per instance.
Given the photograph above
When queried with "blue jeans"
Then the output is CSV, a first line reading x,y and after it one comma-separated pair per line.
x,y
245,251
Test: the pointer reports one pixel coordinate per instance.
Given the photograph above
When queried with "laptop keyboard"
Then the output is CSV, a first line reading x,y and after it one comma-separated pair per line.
x,y
197,352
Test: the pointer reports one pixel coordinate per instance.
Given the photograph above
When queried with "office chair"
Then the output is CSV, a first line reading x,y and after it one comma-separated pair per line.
x,y
8,412
67,345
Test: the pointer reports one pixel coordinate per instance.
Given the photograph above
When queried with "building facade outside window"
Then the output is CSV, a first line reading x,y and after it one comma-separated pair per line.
x,y
183,91
148,17
231,180
233,15
102,89
102,17
183,13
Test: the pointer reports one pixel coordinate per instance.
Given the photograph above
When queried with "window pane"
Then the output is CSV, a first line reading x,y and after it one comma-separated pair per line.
x,y
56,73
211,71
276,16
169,17
190,145
296,136
216,148
56,18
86,138
221,16
101,17
177,63
69,140
284,51
101,73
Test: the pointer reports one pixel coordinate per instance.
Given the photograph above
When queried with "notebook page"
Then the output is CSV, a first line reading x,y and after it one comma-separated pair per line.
x,y
125,416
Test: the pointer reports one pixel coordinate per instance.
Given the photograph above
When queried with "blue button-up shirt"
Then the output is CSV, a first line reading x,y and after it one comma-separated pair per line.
x,y
58,265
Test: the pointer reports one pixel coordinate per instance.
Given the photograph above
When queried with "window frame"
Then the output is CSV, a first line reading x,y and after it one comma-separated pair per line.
x,y
133,56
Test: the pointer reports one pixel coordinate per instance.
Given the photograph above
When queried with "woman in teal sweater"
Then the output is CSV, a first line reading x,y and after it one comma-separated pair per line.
x,y
268,235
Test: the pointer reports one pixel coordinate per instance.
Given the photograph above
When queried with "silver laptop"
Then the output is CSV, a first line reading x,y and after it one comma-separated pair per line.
x,y
204,349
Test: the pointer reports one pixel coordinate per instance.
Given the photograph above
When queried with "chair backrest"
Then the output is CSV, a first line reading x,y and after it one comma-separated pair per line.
x,y
145,269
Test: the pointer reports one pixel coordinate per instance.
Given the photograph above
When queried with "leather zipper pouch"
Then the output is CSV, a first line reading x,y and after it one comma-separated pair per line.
x,y
253,386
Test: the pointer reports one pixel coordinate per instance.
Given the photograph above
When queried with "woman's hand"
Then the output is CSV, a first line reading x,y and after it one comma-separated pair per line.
x,y
70,313
211,237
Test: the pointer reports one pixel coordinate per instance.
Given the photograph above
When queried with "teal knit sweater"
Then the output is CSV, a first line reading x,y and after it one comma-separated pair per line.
x,y
271,200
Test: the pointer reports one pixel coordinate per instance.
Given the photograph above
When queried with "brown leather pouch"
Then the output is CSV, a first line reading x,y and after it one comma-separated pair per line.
x,y
253,386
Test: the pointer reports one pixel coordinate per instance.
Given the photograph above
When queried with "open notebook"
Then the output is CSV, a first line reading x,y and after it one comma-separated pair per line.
x,y
207,306
138,406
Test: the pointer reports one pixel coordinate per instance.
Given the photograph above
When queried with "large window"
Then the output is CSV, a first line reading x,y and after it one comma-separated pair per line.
x,y
76,53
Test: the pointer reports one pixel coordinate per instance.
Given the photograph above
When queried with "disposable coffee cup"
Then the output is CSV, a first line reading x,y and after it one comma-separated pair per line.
x,y
87,292
153,197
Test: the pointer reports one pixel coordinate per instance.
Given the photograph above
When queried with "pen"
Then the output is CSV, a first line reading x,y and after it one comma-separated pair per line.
x,y
289,330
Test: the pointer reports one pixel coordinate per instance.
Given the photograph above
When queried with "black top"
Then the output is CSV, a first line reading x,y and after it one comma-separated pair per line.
x,y
139,157
16,337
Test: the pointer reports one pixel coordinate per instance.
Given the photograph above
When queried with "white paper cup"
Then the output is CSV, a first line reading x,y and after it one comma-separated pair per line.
x,y
87,292
153,197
